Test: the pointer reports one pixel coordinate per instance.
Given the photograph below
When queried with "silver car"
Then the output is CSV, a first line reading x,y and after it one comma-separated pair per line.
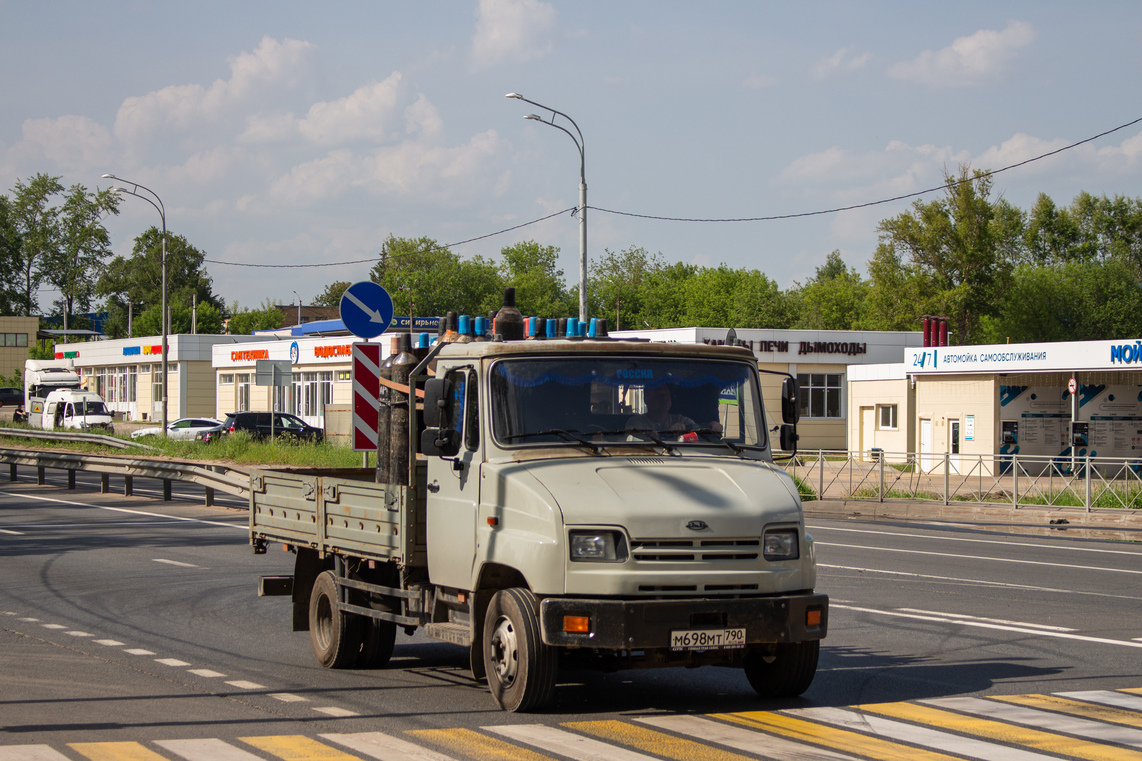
x,y
183,429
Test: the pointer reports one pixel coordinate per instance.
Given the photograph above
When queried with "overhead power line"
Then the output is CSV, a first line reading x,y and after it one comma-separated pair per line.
x,y
770,218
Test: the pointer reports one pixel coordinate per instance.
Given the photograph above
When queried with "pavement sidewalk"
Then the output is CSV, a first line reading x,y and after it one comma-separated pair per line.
x,y
1116,524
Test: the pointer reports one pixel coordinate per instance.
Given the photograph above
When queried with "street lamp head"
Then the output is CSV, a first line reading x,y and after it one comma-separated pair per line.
x,y
515,95
535,117
108,177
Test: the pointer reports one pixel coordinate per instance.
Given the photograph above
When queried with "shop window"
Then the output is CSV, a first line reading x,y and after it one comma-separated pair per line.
x,y
821,394
887,417
344,375
226,379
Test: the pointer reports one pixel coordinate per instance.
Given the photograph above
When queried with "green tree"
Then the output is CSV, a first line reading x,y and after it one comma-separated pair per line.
x,y
835,299
961,248
11,296
244,322
37,224
425,278
664,298
138,280
75,263
616,286
539,287
331,296
207,320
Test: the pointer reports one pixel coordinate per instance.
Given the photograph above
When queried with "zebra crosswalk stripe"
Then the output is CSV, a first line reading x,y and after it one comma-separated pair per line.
x,y
1074,707
208,749
564,743
1044,720
739,738
384,747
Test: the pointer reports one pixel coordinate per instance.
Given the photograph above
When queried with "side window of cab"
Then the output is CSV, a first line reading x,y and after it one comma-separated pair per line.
x,y
464,408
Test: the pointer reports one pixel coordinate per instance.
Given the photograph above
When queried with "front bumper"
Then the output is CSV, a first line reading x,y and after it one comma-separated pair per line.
x,y
647,624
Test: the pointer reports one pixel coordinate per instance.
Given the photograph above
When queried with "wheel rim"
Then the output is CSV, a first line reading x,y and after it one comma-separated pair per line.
x,y
324,622
504,651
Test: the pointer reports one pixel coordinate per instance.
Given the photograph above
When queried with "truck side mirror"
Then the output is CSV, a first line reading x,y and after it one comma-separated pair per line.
x,y
439,442
789,438
437,397
790,402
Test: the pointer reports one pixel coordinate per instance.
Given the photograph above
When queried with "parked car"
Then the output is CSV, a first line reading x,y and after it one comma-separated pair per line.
x,y
258,425
13,396
183,429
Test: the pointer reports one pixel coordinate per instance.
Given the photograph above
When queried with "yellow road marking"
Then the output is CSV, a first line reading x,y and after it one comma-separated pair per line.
x,y
651,741
832,737
1076,708
297,748
1006,733
472,744
118,751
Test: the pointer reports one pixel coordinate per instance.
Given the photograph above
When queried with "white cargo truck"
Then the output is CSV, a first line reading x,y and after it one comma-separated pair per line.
x,y
584,503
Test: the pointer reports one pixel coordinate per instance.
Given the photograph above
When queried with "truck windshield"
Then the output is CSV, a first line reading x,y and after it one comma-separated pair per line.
x,y
599,400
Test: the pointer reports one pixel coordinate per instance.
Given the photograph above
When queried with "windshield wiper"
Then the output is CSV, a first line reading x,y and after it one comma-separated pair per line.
x,y
649,433
569,435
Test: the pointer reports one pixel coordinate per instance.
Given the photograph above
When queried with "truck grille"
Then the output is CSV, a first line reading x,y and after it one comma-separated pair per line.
x,y
689,550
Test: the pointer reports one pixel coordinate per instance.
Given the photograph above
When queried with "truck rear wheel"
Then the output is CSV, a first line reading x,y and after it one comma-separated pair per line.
x,y
786,671
521,669
336,636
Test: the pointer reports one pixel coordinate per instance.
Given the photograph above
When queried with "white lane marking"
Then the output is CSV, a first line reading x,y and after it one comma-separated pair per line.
x,y
1013,544
1107,698
999,627
209,674
170,518
30,753
916,735
287,697
138,651
109,642
339,713
80,634
53,626
30,620
740,738
176,562
385,747
564,743
13,533
983,582
1047,720
244,685
171,662
206,750
989,620
981,557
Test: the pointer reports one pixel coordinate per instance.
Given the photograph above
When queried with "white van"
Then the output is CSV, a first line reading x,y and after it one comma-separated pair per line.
x,y
75,409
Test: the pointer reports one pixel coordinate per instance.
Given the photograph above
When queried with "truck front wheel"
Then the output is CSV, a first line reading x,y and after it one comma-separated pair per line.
x,y
336,636
521,669
784,672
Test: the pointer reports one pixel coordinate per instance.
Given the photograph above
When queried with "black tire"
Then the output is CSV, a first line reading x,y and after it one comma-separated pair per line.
x,y
377,642
521,669
785,673
336,636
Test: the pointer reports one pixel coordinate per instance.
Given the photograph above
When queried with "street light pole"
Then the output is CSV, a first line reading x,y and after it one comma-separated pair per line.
x,y
295,293
158,204
579,143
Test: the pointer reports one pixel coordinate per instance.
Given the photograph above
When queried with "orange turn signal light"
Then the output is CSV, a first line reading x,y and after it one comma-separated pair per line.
x,y
813,617
577,624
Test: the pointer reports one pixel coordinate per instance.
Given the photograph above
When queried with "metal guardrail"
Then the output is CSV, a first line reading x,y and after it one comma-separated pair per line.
x,y
999,479
90,438
211,477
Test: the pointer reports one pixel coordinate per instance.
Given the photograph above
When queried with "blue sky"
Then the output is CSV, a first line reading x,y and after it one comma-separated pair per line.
x,y
305,133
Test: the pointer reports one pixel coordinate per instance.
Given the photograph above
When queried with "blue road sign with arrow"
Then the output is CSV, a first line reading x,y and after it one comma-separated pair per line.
x,y
366,309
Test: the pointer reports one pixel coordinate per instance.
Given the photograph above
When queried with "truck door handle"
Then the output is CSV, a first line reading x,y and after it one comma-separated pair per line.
x,y
434,487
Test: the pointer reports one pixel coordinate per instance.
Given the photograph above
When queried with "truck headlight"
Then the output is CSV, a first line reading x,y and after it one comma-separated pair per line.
x,y
780,544
597,546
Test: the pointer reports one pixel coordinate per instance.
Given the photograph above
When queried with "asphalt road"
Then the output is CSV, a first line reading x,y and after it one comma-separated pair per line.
x,y
130,628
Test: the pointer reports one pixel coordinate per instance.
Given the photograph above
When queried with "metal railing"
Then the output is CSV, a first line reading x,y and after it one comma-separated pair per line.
x,y
998,479
211,477
89,438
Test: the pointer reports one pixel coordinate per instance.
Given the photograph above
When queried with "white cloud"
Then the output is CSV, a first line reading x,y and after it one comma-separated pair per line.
x,y
181,107
269,128
361,115
840,61
73,142
511,30
968,60
423,118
